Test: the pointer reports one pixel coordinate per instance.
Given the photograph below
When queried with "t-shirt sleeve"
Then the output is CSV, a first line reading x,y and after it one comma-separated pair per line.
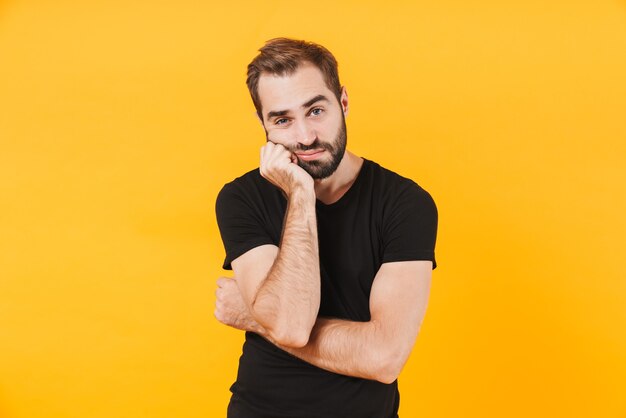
x,y
410,226
241,226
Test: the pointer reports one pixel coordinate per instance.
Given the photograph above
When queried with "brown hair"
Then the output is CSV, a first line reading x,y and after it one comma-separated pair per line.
x,y
283,56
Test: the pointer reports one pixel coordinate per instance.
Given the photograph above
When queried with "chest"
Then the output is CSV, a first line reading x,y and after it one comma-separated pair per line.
x,y
350,256
350,250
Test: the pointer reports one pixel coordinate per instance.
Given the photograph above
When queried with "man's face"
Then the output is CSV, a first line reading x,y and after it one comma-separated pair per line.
x,y
301,113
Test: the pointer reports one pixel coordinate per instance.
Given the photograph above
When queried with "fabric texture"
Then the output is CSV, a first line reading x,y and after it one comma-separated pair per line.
x,y
382,218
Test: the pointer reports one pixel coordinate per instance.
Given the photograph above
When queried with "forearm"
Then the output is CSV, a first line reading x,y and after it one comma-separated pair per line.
x,y
287,301
377,349
358,349
344,347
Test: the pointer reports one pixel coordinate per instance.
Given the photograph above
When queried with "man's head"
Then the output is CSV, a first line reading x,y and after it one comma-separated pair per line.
x,y
296,91
283,56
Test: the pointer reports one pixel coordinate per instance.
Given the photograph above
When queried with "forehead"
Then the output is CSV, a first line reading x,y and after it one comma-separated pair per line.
x,y
289,92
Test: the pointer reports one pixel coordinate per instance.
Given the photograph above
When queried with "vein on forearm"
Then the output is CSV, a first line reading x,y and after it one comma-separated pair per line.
x,y
344,347
290,294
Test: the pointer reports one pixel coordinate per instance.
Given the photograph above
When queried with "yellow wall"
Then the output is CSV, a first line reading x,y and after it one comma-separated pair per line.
x,y
121,120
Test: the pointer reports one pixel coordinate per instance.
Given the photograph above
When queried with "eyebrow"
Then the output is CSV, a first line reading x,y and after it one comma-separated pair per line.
x,y
318,98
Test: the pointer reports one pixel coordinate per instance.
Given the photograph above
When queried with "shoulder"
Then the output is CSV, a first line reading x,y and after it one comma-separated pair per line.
x,y
251,179
392,187
248,187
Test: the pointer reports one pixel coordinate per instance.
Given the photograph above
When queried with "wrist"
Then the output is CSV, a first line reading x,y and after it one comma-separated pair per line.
x,y
302,193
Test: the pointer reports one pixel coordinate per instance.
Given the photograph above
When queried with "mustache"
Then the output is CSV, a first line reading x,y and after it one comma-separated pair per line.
x,y
317,144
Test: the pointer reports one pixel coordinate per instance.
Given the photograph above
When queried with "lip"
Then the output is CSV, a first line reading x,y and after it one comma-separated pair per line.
x,y
310,155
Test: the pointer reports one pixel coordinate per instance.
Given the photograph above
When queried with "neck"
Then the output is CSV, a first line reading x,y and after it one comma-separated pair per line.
x,y
331,189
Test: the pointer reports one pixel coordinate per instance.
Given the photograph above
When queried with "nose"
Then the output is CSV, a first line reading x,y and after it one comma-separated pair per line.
x,y
304,134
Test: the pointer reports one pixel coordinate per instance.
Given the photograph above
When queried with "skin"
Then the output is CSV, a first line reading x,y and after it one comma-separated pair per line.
x,y
275,290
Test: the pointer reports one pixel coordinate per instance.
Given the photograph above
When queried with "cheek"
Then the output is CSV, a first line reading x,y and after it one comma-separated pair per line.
x,y
278,136
328,129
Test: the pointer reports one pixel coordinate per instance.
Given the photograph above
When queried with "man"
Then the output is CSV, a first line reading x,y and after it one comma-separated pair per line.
x,y
332,254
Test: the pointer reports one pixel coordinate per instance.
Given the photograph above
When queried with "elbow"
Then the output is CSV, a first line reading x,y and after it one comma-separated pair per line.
x,y
284,330
287,333
290,338
387,378
390,365
284,336
387,375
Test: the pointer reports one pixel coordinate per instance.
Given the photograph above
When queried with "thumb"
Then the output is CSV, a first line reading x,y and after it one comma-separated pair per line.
x,y
222,281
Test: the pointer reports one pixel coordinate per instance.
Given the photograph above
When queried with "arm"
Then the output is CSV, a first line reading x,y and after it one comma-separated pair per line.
x,y
281,286
377,349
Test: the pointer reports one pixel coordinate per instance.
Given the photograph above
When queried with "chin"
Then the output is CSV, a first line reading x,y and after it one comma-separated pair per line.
x,y
320,170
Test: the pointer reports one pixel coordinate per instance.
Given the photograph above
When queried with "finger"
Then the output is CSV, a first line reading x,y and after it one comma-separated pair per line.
x,y
218,315
266,152
269,147
281,149
280,154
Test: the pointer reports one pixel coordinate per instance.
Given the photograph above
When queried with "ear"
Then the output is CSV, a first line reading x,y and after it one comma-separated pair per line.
x,y
344,100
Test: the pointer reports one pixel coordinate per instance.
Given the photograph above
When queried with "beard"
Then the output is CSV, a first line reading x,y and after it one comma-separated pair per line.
x,y
323,169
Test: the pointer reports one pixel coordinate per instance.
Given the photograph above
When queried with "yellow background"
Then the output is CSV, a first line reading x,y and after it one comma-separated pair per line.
x,y
121,120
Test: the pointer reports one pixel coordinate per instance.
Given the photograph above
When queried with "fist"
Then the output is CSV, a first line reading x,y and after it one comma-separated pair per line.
x,y
230,309
280,167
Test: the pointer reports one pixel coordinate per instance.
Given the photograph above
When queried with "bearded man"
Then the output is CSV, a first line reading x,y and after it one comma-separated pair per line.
x,y
332,254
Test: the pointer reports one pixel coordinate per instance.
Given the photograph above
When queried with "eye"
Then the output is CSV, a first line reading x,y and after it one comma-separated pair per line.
x,y
281,121
316,111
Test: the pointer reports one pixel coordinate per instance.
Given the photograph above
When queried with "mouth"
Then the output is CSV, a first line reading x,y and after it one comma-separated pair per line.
x,y
310,155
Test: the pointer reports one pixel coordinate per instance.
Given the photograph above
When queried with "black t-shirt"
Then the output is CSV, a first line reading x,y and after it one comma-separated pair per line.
x,y
383,217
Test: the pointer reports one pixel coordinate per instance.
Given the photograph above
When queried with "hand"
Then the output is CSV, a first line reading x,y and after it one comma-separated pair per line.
x,y
230,308
279,166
